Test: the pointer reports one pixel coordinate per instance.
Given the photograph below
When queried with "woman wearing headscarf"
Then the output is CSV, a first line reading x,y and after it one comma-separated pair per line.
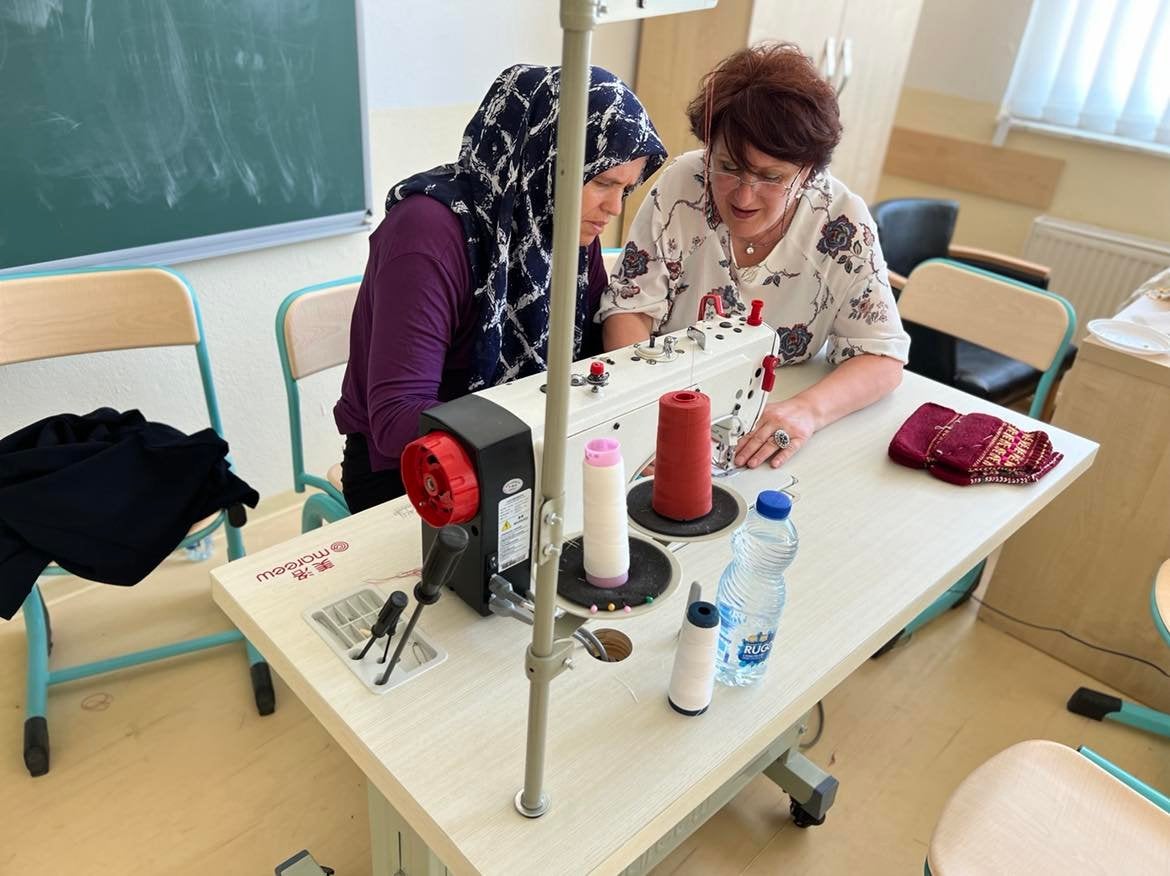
x,y
757,214
455,296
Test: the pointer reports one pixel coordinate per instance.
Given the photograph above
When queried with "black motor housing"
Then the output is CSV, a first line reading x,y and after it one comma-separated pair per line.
x,y
500,447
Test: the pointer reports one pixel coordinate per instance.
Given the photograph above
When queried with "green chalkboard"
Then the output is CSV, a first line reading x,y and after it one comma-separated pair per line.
x,y
140,123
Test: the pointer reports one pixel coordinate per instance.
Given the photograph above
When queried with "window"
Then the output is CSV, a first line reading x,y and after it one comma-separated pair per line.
x,y
1094,68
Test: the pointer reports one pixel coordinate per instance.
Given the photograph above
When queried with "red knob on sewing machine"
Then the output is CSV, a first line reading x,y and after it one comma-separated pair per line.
x,y
756,317
596,369
771,363
440,479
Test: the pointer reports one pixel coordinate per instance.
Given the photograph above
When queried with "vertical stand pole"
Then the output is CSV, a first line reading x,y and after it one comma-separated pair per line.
x,y
543,662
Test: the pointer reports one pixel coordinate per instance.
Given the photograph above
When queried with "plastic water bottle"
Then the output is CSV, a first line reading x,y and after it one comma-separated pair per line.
x,y
752,590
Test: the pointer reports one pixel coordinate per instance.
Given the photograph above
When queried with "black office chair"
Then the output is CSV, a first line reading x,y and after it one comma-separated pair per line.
x,y
912,230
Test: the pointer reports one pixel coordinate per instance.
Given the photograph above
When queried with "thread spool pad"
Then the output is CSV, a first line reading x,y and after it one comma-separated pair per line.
x,y
654,573
728,510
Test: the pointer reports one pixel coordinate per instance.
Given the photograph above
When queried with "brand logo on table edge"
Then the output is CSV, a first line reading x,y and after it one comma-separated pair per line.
x,y
318,560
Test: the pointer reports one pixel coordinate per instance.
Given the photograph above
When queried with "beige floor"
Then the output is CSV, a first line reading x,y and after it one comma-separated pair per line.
x,y
167,769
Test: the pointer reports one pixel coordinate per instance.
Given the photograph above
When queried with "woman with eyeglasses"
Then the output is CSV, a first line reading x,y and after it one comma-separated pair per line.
x,y
756,214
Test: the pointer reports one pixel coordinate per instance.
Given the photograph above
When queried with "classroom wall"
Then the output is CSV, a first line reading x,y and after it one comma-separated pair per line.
x,y
427,66
481,37
959,69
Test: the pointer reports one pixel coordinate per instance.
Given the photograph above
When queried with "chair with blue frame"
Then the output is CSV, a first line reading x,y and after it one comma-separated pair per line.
x,y
611,255
66,313
1106,707
1006,316
1042,807
913,230
312,335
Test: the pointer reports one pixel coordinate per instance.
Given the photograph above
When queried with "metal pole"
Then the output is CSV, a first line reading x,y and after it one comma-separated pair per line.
x,y
543,663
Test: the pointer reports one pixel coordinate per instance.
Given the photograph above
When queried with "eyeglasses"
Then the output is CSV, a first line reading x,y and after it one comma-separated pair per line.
x,y
727,181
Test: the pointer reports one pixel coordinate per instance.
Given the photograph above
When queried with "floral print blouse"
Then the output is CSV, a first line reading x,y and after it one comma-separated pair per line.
x,y
825,281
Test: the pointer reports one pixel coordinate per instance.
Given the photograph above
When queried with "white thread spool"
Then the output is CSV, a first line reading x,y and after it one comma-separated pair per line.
x,y
605,532
693,678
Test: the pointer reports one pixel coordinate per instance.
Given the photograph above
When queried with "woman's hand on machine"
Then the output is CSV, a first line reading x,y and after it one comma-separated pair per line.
x,y
792,418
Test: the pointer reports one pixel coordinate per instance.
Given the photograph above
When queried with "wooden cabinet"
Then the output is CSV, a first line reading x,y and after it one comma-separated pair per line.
x,y
1086,563
878,35
861,46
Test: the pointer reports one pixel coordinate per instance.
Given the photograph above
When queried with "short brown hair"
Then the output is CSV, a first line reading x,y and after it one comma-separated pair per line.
x,y
769,96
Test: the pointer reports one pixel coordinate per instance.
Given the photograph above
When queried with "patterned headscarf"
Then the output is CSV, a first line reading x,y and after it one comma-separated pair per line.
x,y
502,191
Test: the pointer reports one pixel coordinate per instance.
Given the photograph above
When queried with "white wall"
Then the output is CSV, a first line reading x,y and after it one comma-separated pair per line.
x,y
475,39
427,66
967,47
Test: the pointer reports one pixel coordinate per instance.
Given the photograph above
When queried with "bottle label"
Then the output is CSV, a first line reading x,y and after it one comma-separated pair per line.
x,y
755,649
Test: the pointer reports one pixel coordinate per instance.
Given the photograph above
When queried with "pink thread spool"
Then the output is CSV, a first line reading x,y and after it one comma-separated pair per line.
x,y
682,461
605,532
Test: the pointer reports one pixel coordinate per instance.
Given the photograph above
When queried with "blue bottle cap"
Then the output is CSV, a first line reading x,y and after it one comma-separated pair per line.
x,y
773,504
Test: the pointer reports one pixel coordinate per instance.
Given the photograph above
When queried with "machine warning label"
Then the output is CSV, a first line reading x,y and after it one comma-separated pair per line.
x,y
515,529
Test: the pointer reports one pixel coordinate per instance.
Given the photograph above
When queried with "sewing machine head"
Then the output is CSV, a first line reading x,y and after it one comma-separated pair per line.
x,y
478,462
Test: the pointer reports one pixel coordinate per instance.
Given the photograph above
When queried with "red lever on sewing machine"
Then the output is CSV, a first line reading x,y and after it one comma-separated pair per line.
x,y
756,317
771,363
717,300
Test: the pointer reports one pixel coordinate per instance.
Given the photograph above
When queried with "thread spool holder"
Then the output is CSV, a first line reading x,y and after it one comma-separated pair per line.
x,y
547,655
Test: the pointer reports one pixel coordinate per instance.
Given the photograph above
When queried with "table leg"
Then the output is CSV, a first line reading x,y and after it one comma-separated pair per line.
x,y
812,789
396,849
783,748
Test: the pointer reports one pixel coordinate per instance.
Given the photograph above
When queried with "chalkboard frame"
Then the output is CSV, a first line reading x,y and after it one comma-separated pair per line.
x,y
249,239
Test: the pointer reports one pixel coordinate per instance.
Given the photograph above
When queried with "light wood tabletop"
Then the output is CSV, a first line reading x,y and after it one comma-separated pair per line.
x,y
878,543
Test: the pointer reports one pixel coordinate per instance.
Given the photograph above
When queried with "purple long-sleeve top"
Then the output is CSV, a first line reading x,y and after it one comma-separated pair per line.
x,y
413,327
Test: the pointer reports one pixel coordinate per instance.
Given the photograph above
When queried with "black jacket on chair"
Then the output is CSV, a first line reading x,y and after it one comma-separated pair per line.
x,y
107,496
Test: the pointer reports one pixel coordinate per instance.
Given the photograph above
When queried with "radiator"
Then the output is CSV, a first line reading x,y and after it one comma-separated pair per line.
x,y
1096,269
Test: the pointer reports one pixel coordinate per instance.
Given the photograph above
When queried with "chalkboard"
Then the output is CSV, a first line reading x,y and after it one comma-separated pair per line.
x,y
176,128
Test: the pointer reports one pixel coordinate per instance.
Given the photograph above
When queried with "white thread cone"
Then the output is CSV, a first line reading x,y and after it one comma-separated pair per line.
x,y
692,680
605,536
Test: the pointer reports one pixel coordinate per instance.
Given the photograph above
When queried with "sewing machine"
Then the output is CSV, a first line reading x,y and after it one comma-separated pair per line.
x,y
479,457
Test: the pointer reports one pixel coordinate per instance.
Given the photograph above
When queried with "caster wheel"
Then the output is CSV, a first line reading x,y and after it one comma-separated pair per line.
x,y
801,818
888,646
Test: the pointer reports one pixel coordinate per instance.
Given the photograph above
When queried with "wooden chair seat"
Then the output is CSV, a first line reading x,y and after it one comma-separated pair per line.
x,y
334,475
1041,807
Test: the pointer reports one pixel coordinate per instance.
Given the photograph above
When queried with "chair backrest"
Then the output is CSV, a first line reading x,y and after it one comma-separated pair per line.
x,y
312,334
1008,317
43,316
1032,273
610,256
313,326
95,310
912,230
